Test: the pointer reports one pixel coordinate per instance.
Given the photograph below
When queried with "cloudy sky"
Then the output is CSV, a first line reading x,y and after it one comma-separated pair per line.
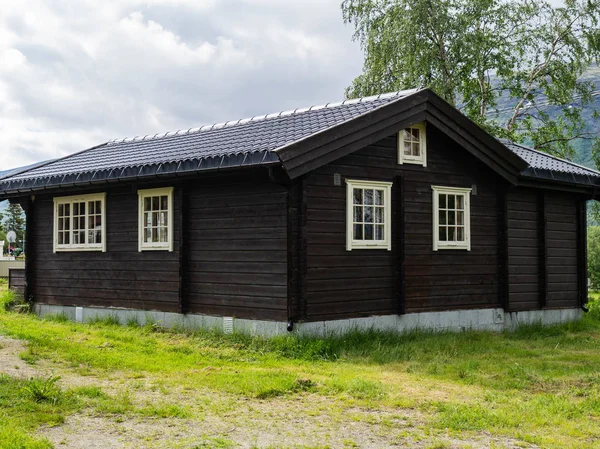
x,y
77,73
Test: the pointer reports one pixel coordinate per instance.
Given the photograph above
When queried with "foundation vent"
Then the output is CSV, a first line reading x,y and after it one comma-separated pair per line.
x,y
228,325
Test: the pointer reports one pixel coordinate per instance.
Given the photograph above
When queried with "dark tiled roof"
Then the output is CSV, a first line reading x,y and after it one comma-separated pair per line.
x,y
237,143
253,141
543,165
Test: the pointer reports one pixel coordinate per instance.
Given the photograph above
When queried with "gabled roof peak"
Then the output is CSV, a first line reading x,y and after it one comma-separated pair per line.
x,y
256,118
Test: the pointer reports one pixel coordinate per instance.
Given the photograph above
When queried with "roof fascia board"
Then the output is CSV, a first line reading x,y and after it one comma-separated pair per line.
x,y
478,135
319,144
336,142
96,184
352,142
489,159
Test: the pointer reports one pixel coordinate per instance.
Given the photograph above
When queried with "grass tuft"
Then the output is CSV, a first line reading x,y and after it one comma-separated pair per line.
x,y
43,389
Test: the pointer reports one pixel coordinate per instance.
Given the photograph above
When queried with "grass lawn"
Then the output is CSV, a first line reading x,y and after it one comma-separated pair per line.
x,y
538,387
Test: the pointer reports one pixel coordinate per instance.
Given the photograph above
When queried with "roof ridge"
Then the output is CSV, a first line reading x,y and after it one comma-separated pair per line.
x,y
553,157
257,118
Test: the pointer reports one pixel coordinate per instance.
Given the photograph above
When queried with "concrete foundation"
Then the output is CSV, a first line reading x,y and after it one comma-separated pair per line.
x,y
454,321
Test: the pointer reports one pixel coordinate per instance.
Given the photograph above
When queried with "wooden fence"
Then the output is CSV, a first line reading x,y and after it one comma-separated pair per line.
x,y
16,279
5,265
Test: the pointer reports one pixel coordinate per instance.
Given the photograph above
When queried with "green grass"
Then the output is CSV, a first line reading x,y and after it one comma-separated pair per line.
x,y
537,385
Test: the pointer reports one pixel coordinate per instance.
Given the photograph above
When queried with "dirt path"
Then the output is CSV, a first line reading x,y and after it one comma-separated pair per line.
x,y
299,421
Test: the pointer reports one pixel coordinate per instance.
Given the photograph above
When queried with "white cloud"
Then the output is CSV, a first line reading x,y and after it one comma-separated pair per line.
x,y
77,73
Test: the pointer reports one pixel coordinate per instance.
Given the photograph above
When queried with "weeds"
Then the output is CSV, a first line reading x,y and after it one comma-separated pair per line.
x,y
43,390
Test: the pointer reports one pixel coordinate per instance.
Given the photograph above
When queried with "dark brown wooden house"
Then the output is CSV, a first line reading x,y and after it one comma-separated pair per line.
x,y
393,211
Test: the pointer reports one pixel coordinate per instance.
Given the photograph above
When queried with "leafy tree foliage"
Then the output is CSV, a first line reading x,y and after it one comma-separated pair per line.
x,y
593,236
478,54
15,221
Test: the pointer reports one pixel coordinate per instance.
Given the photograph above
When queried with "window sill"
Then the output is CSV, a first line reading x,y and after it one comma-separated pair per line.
x,y
75,249
460,247
384,246
155,248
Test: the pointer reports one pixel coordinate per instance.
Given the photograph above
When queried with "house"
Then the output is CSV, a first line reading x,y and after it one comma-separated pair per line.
x,y
393,211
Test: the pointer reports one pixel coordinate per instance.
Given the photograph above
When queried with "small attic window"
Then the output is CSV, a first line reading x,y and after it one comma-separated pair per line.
x,y
412,145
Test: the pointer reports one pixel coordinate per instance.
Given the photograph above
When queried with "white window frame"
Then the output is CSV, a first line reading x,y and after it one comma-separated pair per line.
x,y
418,160
80,246
155,246
466,193
352,244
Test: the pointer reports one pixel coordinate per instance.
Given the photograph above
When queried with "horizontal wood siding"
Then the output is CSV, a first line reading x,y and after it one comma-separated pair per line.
x,y
16,279
237,249
120,277
524,241
357,283
561,247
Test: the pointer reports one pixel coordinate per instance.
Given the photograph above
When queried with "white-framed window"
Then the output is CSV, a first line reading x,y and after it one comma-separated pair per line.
x,y
156,219
368,215
80,223
412,145
451,218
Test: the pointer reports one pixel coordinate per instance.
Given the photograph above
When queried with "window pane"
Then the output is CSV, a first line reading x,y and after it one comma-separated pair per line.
x,y
61,210
379,215
98,236
76,209
162,234
460,234
155,235
147,205
451,234
407,148
91,223
358,194
460,217
443,202
407,135
60,238
147,219
368,232
76,238
164,202
98,207
358,232
60,224
163,219
451,203
147,235
154,218
358,214
379,197
75,224
67,209
91,208
443,217
442,234
451,217
368,214
81,222
67,224
155,202
415,133
368,196
379,232
98,221
460,202
416,149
